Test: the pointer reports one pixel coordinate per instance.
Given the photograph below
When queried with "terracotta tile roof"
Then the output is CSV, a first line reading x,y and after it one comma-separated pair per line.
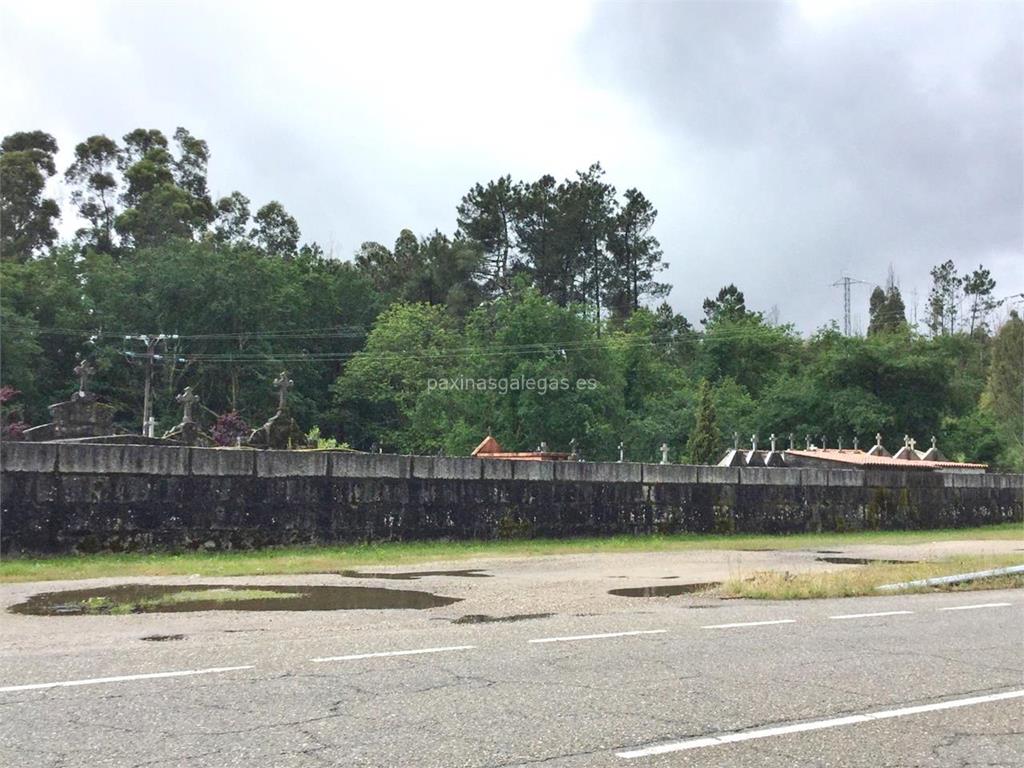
x,y
491,449
488,445
862,459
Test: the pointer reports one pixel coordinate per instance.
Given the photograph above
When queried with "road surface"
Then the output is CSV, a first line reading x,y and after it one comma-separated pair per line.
x,y
925,680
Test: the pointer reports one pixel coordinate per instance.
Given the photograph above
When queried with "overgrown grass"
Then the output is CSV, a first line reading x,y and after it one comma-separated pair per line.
x,y
326,559
863,579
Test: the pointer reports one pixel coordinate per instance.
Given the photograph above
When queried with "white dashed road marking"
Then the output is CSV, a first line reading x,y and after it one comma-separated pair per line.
x,y
814,725
749,624
598,637
120,679
869,615
972,607
355,656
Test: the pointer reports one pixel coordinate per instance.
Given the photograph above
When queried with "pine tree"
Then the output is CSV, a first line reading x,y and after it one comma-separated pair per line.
x,y
704,445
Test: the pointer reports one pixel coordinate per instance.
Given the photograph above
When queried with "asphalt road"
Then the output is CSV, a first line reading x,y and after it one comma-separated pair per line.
x,y
680,681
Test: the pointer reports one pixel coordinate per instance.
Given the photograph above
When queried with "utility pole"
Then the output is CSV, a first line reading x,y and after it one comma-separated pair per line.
x,y
846,281
148,358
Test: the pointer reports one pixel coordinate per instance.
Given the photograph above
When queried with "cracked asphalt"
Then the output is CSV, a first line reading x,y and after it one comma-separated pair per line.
x,y
506,701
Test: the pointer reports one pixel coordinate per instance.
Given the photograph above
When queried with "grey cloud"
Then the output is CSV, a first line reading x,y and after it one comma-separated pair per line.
x,y
892,135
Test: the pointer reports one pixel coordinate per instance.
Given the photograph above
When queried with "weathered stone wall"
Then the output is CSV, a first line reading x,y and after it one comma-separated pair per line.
x,y
68,497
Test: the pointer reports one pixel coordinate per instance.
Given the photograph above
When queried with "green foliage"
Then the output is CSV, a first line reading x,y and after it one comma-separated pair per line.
x,y
1004,391
26,217
886,309
322,443
705,446
543,282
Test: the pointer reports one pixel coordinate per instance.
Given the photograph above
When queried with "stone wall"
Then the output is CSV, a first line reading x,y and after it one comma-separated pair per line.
x,y
68,497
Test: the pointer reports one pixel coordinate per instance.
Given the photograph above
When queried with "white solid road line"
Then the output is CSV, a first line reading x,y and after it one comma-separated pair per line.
x,y
749,624
355,656
979,605
120,678
814,725
869,615
598,637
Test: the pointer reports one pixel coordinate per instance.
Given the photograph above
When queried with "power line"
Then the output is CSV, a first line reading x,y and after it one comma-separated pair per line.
x,y
846,281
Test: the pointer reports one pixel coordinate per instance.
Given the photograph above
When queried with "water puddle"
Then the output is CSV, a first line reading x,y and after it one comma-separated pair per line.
x,y
468,573
862,561
669,590
153,598
482,618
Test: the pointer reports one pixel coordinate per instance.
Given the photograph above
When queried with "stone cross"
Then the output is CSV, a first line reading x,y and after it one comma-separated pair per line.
x,y
283,384
906,441
664,453
878,439
933,443
83,371
735,441
622,452
839,440
791,441
807,442
772,439
824,442
188,398
912,442
753,442
856,443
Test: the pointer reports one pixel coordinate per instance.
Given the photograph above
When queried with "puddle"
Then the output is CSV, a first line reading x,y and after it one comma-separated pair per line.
x,y
468,573
669,590
153,598
829,552
162,638
481,618
862,561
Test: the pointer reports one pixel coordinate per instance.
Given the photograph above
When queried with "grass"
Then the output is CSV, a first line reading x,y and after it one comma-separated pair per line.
x,y
863,579
285,560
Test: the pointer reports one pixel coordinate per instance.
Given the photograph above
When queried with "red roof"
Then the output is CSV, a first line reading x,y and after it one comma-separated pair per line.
x,y
861,459
491,449
489,445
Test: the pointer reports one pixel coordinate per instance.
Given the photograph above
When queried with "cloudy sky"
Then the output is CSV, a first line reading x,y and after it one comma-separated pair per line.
x,y
783,144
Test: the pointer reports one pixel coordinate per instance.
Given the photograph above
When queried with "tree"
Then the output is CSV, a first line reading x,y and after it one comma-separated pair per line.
x,y
944,299
728,305
1004,394
276,231
487,215
636,257
886,309
537,229
978,288
705,442
586,212
377,393
190,173
232,219
95,190
26,217
164,197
